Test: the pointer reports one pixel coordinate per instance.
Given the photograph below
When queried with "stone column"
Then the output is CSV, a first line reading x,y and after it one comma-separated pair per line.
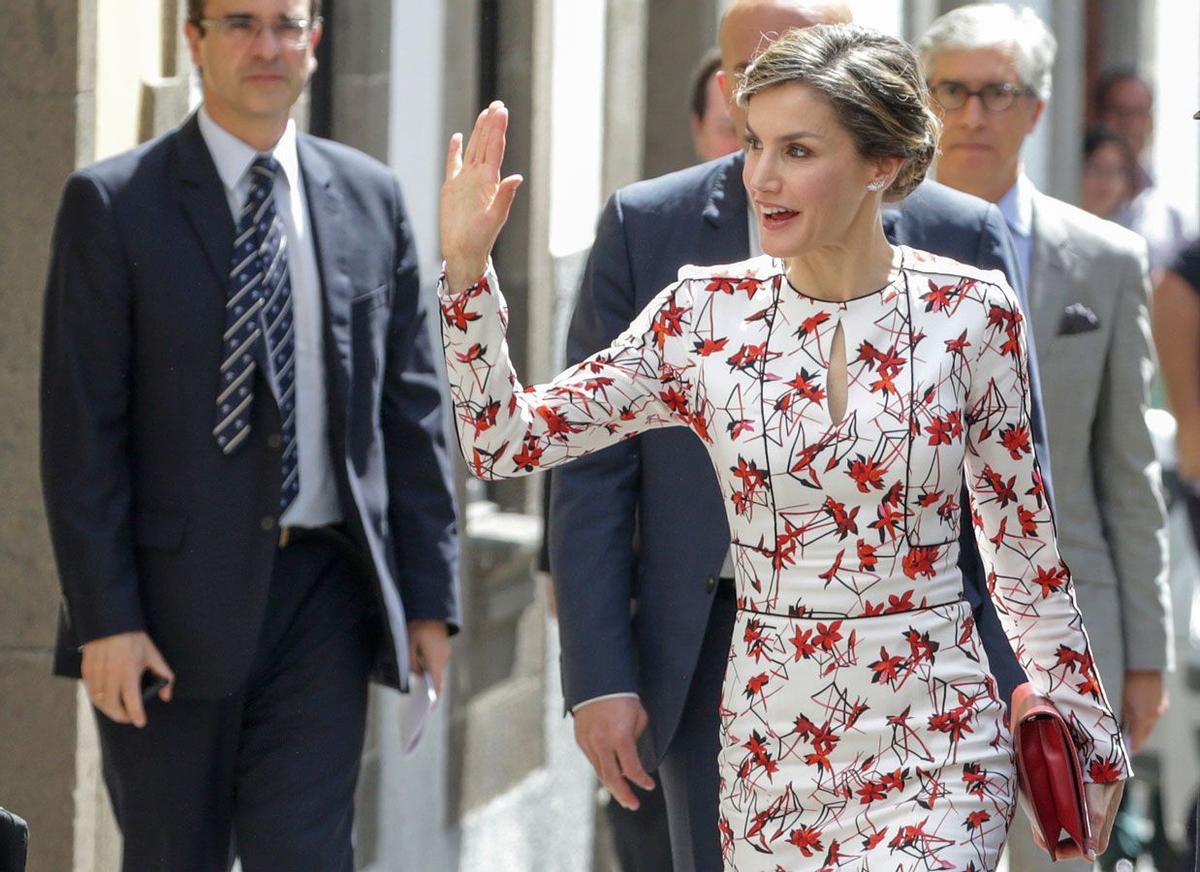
x,y
1061,129
678,33
47,94
624,94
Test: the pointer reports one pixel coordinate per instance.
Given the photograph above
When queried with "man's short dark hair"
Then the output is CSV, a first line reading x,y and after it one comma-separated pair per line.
x,y
195,10
1112,77
700,76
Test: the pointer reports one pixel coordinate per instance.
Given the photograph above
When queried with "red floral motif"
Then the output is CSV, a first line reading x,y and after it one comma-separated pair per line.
x,y
1051,579
806,839
920,561
711,346
887,668
867,474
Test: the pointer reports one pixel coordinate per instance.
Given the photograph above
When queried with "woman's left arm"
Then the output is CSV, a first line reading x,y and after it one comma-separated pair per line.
x,y
1029,584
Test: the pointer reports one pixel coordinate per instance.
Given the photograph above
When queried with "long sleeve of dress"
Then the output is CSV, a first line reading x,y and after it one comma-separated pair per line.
x,y
641,381
1028,581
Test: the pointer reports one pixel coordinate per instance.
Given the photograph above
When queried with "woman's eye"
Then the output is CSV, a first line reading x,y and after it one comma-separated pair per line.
x,y
797,151
752,143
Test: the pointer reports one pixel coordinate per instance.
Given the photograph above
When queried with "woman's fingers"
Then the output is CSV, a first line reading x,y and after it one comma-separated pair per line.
x,y
454,157
1102,802
470,156
494,153
486,132
505,194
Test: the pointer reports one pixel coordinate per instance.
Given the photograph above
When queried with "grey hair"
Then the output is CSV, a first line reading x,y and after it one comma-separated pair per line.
x,y
872,81
996,25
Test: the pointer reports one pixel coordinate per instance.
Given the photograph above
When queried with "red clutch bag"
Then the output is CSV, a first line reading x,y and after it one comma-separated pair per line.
x,y
1049,774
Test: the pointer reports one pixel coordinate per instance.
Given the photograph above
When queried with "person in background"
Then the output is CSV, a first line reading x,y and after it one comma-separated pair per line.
x,y
1109,171
989,69
1124,104
713,133
1176,318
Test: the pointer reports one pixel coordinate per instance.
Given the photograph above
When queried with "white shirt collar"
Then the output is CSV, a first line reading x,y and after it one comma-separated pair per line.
x,y
233,157
1017,206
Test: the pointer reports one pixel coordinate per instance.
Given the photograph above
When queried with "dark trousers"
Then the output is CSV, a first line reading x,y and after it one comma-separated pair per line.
x,y
688,772
641,839
267,774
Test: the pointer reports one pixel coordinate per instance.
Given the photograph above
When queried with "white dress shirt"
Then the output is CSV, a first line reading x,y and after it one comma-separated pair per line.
x,y
1017,208
317,502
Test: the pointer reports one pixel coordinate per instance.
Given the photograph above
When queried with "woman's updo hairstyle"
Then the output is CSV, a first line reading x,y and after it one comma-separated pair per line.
x,y
874,83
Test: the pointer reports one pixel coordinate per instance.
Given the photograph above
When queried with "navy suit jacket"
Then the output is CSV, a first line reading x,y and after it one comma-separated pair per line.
x,y
153,527
644,520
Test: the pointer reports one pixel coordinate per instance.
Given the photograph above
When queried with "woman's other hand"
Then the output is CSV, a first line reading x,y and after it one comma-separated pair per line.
x,y
475,202
1102,803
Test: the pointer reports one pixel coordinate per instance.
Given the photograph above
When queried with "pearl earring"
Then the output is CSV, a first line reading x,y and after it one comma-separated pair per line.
x,y
876,185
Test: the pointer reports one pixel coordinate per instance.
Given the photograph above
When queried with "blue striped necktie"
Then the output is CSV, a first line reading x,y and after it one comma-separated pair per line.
x,y
259,329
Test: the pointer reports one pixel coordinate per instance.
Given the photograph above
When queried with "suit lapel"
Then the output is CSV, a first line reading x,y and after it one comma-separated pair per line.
x,y
203,198
326,214
1050,273
726,234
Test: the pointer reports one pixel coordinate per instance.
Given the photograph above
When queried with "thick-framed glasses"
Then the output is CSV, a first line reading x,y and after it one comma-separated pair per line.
x,y
995,96
242,30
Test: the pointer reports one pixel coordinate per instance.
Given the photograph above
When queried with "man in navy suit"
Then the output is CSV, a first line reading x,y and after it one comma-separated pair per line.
x,y
243,460
643,522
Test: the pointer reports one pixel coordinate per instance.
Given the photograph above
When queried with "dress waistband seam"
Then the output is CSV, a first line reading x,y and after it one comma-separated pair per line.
x,y
835,617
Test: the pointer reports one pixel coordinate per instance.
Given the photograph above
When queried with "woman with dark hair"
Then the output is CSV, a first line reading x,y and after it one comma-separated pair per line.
x,y
843,388
1109,172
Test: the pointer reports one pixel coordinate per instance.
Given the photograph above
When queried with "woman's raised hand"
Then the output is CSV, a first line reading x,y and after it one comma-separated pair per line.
x,y
475,201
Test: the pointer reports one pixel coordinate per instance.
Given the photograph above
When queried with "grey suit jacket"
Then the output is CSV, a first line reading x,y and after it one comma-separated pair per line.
x,y
1089,291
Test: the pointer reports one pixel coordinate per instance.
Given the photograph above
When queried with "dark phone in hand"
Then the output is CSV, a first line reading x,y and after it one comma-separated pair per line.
x,y
151,685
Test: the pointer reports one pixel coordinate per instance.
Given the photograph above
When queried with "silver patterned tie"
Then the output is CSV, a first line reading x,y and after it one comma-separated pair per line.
x,y
259,328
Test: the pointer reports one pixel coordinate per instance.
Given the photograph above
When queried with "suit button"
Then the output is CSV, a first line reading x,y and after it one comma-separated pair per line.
x,y
710,584
274,441
267,524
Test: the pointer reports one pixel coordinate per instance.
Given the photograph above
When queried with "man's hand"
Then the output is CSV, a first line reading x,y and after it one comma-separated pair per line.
x,y
112,673
1187,454
429,649
1144,701
607,731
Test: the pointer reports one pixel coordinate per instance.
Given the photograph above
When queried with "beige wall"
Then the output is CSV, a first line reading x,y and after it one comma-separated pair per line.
x,y
128,52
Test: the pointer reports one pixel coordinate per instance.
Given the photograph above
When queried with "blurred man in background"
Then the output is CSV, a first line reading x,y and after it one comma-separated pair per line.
x,y
713,134
989,69
1125,105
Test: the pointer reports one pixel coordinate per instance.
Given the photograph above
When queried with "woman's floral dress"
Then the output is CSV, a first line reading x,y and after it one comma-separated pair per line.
x,y
860,724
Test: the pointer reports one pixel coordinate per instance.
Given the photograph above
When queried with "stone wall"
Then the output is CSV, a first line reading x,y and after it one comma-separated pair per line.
x,y
47,94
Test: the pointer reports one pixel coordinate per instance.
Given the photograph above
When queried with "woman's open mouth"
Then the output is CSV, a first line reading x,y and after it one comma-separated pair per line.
x,y
774,217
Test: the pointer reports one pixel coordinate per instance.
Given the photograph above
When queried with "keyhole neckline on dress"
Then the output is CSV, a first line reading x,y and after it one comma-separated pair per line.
x,y
896,278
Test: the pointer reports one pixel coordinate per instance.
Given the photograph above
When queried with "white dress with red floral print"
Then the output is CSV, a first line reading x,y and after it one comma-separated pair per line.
x,y
860,724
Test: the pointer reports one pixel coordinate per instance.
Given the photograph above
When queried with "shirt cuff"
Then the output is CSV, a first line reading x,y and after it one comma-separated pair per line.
x,y
623,695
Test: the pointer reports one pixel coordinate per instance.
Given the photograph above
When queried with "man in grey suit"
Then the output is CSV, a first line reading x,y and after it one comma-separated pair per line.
x,y
989,70
644,520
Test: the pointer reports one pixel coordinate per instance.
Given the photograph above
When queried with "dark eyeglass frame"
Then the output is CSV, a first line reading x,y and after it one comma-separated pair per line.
x,y
290,32
995,96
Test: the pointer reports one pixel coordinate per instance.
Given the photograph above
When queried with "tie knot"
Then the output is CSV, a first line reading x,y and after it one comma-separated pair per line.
x,y
264,169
